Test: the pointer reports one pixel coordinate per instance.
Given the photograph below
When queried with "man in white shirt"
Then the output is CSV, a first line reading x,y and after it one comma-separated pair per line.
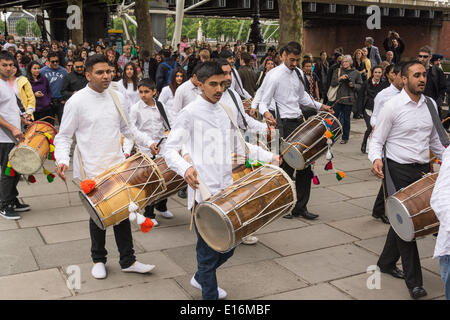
x,y
205,128
186,93
10,121
91,115
378,210
236,82
283,85
405,129
440,203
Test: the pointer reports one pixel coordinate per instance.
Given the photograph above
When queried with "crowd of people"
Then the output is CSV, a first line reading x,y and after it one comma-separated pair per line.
x,y
172,89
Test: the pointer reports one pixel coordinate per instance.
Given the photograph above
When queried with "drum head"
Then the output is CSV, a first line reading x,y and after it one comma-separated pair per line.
x,y
25,160
293,157
214,227
91,210
400,219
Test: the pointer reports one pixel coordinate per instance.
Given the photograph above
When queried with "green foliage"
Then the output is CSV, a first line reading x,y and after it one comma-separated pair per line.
x,y
22,27
2,26
35,29
118,25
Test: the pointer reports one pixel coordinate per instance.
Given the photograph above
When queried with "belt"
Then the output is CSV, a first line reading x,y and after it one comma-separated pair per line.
x,y
292,120
410,164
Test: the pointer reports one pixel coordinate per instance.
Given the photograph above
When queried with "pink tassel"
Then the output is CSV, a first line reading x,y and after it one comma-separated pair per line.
x,y
328,166
316,180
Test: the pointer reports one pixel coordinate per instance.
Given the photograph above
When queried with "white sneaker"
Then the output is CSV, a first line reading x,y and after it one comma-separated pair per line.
x,y
167,214
99,271
249,240
155,223
222,293
139,267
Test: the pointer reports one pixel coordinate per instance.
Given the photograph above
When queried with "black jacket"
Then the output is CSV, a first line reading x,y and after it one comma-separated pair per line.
x,y
366,96
72,82
397,51
436,86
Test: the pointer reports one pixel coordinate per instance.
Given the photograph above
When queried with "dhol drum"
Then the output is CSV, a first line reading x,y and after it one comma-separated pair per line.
x,y
247,103
308,142
245,207
409,210
173,181
239,169
137,179
29,155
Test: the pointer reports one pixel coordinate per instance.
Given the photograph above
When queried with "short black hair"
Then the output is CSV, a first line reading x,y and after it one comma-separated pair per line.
x,y
147,82
78,59
197,66
94,59
165,53
5,55
407,65
207,70
18,71
222,62
53,54
293,47
225,54
305,61
246,57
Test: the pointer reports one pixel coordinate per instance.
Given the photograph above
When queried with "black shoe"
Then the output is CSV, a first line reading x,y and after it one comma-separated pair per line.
x,y
363,147
182,194
417,292
383,218
8,213
308,215
20,207
396,273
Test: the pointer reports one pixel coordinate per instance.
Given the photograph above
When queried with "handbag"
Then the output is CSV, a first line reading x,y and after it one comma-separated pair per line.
x,y
332,91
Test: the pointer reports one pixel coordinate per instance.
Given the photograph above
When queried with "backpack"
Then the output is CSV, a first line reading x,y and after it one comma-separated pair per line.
x,y
169,72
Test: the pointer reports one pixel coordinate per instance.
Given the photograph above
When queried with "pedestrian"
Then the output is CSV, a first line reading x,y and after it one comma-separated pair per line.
x,y
373,52
75,80
128,84
177,78
41,90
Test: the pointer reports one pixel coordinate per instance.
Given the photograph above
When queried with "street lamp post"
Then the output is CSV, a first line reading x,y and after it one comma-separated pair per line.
x,y
255,33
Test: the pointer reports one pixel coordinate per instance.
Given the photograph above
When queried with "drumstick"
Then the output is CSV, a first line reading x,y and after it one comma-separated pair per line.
x,y
160,142
192,210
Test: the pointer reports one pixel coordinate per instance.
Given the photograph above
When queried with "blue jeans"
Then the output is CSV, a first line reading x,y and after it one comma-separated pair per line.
x,y
445,274
342,112
208,260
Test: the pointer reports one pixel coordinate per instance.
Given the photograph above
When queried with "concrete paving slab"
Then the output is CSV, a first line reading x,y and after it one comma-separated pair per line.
x,y
44,187
329,264
364,202
323,195
328,180
74,252
249,281
376,245
16,260
52,201
181,216
7,225
20,238
36,218
364,227
305,239
186,257
160,289
358,190
335,211
68,232
38,285
282,224
174,203
364,174
164,238
348,164
322,291
431,265
390,288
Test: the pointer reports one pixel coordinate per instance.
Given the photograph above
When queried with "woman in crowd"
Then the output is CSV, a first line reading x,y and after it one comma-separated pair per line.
x,y
69,56
128,83
43,61
268,65
22,89
366,60
41,90
167,94
359,64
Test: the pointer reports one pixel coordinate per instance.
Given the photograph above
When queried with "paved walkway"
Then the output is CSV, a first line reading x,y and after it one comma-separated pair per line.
x,y
295,259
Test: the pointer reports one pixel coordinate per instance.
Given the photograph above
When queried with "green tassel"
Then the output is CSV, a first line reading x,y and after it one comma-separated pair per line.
x,y
338,176
50,178
8,171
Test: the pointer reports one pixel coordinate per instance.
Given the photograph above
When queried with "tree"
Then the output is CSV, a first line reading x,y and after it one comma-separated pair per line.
x,y
143,19
291,21
22,27
2,26
35,29
117,25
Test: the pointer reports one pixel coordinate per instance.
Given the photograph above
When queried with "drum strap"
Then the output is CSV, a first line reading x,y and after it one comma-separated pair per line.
x,y
443,137
120,110
237,107
228,111
83,173
390,187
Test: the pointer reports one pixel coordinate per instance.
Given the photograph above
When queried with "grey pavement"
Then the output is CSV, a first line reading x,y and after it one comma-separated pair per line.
x,y
294,259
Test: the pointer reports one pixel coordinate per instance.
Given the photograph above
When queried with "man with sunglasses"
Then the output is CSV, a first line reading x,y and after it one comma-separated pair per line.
x,y
435,86
55,75
75,80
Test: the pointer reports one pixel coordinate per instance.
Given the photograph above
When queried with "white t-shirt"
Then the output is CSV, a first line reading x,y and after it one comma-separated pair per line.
x,y
129,93
9,110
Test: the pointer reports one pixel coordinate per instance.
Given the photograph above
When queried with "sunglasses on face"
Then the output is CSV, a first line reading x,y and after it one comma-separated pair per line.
x,y
421,56
54,61
70,65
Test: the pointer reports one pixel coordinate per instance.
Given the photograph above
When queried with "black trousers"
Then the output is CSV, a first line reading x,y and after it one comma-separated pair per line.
x,y
57,108
124,241
395,248
8,185
303,177
369,127
378,207
150,210
42,114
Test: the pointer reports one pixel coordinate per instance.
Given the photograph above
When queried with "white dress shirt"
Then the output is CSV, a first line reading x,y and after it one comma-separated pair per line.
x,y
166,97
284,86
94,120
407,130
207,131
9,110
236,84
380,99
147,120
252,123
131,94
185,94
257,98
440,203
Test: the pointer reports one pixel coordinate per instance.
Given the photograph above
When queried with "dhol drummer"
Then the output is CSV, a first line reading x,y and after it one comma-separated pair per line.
x,y
91,115
245,122
207,131
152,120
10,120
283,85
407,130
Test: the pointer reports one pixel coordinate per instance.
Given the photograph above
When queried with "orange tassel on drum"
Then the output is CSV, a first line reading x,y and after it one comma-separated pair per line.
x,y
87,185
147,225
